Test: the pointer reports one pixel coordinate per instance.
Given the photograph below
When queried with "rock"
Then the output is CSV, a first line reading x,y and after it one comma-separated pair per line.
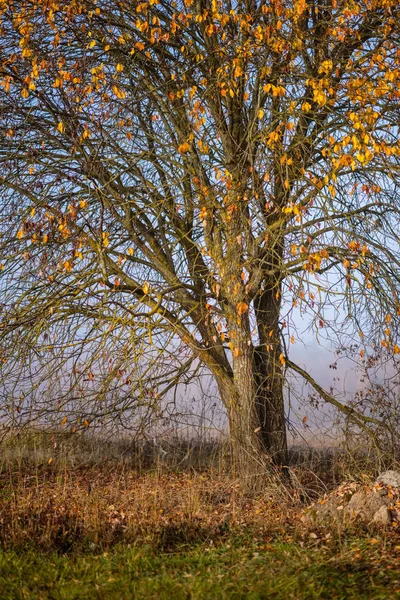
x,y
356,503
391,478
332,507
379,503
382,516
364,505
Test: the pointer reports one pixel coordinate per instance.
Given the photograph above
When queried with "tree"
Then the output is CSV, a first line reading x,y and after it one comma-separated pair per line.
x,y
194,174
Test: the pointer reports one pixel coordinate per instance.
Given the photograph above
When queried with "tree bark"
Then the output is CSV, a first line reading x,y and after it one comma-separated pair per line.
x,y
270,405
248,453
269,363
255,402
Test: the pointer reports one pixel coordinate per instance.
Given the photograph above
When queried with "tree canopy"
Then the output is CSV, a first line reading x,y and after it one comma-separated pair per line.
x,y
182,182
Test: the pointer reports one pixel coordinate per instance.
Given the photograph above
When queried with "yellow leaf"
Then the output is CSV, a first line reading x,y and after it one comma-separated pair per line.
x,y
130,251
119,67
24,93
146,287
20,234
61,127
320,97
260,113
183,148
119,93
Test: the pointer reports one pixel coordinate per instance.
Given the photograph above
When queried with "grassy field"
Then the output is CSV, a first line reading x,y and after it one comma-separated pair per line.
x,y
235,567
115,532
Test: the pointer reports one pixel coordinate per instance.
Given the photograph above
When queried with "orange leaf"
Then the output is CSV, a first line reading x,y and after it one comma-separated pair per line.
x,y
183,148
242,307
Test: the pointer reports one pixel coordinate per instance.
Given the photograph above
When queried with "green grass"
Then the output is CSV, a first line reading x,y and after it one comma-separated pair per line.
x,y
235,568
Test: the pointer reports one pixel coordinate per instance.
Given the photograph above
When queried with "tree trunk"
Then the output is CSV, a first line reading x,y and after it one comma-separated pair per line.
x,y
270,405
269,362
248,453
254,399
256,417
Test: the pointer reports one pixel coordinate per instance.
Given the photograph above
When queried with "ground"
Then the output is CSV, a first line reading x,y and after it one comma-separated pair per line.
x,y
231,569
117,533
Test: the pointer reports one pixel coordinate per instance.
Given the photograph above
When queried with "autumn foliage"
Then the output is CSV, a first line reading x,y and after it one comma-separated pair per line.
x,y
181,183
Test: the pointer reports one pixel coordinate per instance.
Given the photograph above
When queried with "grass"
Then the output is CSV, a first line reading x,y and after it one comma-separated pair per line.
x,y
112,531
235,568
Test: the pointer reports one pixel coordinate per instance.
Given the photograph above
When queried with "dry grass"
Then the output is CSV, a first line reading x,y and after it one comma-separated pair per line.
x,y
94,524
115,534
67,493
98,508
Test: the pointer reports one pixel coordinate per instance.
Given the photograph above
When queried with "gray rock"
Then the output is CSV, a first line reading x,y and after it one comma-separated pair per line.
x,y
365,505
382,516
379,503
332,508
391,478
356,503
